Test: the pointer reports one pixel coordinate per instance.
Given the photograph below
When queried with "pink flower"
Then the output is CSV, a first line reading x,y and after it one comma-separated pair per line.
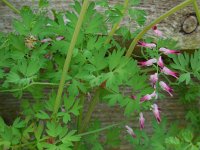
x,y
59,38
168,51
156,112
153,79
156,31
160,62
147,45
130,131
148,97
167,71
166,88
46,40
149,62
141,120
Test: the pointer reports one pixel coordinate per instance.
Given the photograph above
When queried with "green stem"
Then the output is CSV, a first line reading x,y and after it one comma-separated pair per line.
x,y
99,130
168,13
31,84
11,6
69,56
90,110
195,5
80,117
116,25
88,115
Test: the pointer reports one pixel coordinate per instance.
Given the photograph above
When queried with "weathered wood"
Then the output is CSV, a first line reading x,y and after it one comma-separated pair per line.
x,y
172,27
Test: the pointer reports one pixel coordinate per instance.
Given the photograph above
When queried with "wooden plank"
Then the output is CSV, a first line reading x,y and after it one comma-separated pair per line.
x,y
171,27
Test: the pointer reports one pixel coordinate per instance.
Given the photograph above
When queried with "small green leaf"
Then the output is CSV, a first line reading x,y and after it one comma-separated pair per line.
x,y
42,115
66,118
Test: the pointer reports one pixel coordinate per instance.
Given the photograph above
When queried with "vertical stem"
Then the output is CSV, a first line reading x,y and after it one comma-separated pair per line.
x,y
116,25
90,110
88,115
195,5
11,6
80,117
69,56
168,13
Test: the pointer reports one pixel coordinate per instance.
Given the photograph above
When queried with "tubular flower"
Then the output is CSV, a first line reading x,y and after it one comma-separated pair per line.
x,y
141,120
166,88
156,31
168,51
148,97
156,112
160,62
167,71
149,62
130,131
59,38
153,79
147,45
46,40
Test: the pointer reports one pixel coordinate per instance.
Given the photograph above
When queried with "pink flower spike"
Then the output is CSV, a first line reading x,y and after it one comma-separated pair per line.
x,y
156,112
130,131
166,88
160,62
157,32
147,45
149,62
153,79
169,51
46,40
167,71
141,120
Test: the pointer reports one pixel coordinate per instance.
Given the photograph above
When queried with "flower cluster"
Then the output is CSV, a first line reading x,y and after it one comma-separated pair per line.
x,y
158,62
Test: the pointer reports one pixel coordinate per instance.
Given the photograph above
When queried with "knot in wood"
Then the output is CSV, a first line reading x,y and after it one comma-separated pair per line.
x,y
190,24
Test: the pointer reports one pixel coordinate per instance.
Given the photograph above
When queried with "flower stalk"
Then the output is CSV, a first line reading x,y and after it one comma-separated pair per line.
x,y
69,56
159,19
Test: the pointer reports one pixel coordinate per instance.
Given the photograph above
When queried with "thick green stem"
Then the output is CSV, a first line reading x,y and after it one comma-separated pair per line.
x,y
195,5
116,25
11,6
69,56
140,35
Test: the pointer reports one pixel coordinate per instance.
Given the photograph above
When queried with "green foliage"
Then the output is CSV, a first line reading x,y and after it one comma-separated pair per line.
x,y
188,65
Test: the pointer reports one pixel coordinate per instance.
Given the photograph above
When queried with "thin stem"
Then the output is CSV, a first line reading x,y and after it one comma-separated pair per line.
x,y
80,117
90,110
140,35
116,25
88,115
69,56
195,5
11,6
31,84
99,130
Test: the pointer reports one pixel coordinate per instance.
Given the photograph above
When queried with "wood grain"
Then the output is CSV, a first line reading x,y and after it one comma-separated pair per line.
x,y
171,27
